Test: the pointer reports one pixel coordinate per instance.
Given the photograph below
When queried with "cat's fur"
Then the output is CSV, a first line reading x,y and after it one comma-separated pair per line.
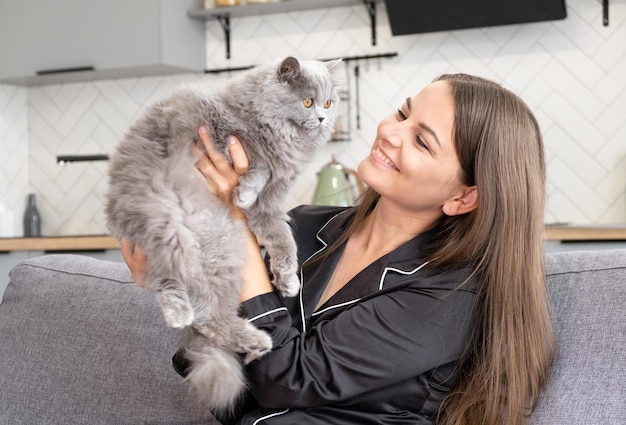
x,y
193,247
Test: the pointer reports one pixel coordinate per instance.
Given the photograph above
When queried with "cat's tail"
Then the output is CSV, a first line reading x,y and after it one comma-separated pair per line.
x,y
214,374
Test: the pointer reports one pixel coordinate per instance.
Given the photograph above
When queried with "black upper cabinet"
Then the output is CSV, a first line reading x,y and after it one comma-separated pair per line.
x,y
421,16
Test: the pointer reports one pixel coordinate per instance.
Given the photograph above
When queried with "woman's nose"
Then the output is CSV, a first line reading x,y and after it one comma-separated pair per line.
x,y
390,134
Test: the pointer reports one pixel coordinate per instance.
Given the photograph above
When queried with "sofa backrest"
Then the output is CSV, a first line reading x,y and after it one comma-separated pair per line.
x,y
71,352
588,381
82,344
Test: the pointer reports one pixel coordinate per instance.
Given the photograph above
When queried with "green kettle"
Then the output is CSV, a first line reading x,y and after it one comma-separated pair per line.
x,y
334,186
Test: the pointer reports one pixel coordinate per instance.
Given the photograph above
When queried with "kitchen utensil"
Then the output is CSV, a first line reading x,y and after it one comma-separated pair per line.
x,y
336,184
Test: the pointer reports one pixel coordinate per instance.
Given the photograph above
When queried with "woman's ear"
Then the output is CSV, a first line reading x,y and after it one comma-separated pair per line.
x,y
467,201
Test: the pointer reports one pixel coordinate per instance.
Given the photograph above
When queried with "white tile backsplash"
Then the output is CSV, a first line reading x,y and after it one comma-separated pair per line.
x,y
14,176
570,72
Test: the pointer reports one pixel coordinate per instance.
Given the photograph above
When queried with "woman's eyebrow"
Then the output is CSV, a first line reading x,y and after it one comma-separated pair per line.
x,y
424,126
431,131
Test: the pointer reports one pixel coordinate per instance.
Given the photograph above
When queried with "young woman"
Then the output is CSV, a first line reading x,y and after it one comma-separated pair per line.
x,y
424,304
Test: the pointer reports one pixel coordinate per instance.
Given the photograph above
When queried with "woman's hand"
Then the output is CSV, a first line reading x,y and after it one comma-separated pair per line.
x,y
221,177
135,259
222,180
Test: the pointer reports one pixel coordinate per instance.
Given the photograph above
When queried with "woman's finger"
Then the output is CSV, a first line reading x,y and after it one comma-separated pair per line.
x,y
238,155
220,176
216,182
216,157
135,260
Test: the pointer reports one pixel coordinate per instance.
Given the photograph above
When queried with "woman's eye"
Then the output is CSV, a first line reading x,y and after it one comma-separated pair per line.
x,y
421,143
327,104
401,115
307,102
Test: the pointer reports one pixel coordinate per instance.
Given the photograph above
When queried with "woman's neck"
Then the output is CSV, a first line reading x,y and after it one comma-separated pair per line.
x,y
387,227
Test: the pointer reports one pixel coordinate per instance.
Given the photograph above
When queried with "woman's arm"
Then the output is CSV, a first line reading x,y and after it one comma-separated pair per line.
x,y
222,180
389,338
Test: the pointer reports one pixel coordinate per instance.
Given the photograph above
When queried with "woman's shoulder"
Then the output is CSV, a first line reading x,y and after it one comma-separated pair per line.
x,y
316,215
310,222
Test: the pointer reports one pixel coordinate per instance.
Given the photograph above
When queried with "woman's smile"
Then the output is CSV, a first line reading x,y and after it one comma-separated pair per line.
x,y
379,157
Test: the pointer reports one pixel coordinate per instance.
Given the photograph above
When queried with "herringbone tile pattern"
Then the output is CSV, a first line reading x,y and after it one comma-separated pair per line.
x,y
13,151
571,73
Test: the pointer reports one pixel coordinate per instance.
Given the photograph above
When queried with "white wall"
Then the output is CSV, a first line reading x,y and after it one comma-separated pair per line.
x,y
13,153
570,72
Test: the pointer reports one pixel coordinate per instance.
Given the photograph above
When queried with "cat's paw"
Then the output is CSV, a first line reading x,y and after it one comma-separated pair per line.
x,y
245,198
289,286
250,185
257,345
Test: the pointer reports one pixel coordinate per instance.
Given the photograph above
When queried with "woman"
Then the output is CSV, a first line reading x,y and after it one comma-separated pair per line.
x,y
426,303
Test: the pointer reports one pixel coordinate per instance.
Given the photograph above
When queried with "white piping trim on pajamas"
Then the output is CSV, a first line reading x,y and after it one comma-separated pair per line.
x,y
270,416
335,306
317,235
387,269
252,319
380,286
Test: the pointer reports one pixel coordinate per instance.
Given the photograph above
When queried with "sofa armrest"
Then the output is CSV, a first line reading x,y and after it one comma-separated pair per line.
x,y
81,343
588,381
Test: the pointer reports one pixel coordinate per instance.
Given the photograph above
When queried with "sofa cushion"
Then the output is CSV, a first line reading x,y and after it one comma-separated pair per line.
x,y
588,382
82,344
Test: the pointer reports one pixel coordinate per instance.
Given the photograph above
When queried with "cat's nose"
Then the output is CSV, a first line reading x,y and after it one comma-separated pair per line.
x,y
321,119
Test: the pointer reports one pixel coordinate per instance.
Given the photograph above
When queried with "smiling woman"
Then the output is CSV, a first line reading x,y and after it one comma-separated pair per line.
x,y
426,302
466,156
415,146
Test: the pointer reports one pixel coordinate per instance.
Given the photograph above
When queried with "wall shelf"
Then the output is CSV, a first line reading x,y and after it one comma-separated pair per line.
x,y
224,14
284,6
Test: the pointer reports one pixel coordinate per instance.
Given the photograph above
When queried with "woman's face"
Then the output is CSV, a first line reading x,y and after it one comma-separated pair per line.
x,y
413,162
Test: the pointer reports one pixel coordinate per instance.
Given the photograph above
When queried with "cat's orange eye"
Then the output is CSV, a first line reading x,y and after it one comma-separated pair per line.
x,y
308,102
327,104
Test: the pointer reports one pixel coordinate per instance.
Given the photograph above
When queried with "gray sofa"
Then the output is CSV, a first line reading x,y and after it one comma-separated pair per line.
x,y
81,344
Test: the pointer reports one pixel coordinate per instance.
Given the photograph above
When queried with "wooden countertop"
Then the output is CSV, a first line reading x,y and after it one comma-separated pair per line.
x,y
60,243
598,232
616,232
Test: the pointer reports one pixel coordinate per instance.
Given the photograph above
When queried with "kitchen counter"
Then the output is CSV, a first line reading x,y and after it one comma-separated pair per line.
x,y
554,232
60,243
598,232
15,250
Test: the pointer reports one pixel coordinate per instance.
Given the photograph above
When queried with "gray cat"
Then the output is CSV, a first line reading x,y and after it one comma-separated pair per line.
x,y
281,112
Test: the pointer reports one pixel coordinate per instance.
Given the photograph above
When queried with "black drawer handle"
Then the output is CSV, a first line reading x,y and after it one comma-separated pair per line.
x,y
66,159
64,70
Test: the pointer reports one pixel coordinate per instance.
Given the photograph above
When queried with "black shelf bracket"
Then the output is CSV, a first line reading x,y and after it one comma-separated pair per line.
x,y
224,21
371,9
605,13
223,16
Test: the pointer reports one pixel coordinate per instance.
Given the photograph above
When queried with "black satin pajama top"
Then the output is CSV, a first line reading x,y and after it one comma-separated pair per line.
x,y
382,350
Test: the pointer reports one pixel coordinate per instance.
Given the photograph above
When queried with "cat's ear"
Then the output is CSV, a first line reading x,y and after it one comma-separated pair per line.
x,y
289,70
333,63
333,69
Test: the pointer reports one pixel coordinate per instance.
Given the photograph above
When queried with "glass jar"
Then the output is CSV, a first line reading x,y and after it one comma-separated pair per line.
x,y
222,3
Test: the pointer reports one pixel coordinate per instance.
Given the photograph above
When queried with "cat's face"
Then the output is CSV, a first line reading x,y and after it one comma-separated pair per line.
x,y
316,112
311,100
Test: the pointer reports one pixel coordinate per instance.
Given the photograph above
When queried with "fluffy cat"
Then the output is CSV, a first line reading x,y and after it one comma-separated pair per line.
x,y
281,112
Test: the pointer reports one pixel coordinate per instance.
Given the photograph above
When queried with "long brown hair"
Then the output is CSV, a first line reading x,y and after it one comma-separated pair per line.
x,y
500,148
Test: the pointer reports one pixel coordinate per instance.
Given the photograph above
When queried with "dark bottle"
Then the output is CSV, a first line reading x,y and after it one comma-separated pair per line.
x,y
32,219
